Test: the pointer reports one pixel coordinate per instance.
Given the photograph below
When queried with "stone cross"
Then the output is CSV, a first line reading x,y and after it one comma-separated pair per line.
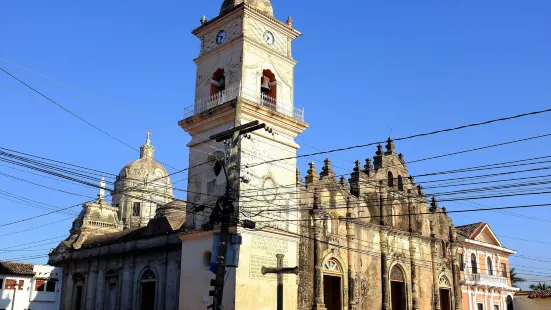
x,y
102,189
148,133
280,271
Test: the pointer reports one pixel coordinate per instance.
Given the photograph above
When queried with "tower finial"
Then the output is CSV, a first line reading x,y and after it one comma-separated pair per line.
x,y
147,150
101,194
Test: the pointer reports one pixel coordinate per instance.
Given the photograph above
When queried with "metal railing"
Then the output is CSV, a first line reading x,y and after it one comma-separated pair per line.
x,y
255,97
487,280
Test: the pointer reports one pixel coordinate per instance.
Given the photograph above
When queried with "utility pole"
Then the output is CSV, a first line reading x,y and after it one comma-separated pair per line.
x,y
280,271
225,211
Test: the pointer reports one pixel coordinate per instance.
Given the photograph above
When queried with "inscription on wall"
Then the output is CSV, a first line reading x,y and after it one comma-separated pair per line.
x,y
263,253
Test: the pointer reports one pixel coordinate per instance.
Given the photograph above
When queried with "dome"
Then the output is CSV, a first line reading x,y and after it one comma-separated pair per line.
x,y
264,6
141,187
146,168
175,206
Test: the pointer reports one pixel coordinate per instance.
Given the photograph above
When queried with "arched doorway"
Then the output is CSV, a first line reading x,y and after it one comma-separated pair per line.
x,y
333,285
398,296
445,293
148,288
509,302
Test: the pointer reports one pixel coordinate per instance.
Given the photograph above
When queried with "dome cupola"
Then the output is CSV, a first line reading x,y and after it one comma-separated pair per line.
x,y
141,187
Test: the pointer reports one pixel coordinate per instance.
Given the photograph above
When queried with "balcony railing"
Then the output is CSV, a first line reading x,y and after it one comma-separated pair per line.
x,y
255,97
487,280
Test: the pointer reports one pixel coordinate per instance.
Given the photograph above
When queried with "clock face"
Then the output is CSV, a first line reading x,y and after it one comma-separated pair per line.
x,y
221,37
269,37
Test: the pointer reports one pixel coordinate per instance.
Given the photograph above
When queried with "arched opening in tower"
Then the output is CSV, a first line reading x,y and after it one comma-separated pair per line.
x,y
218,82
268,88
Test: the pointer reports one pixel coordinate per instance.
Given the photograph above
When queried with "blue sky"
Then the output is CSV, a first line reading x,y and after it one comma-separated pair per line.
x,y
363,67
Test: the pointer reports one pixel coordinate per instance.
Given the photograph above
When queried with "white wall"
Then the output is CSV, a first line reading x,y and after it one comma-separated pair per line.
x,y
28,298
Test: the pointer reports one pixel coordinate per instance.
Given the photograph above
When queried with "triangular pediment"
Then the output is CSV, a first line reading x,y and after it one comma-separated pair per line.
x,y
486,235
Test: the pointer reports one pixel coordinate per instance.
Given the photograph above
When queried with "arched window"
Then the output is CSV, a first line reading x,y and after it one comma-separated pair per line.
x,y
400,183
509,302
268,89
474,266
148,290
332,224
390,179
393,216
218,82
490,266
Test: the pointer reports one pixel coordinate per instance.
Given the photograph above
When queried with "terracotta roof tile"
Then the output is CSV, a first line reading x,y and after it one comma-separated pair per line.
x,y
15,268
540,294
469,230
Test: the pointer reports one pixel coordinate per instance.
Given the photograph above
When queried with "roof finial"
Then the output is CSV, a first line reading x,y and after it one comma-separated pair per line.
x,y
101,194
290,21
148,140
390,145
204,19
147,150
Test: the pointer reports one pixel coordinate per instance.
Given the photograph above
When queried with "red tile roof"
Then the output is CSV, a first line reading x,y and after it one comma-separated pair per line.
x,y
469,230
540,294
14,268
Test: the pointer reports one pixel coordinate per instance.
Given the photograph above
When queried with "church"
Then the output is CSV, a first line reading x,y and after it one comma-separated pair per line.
x,y
367,240
370,239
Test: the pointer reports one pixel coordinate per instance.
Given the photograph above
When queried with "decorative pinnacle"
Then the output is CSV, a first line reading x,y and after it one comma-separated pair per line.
x,y
203,20
358,167
420,190
312,170
101,194
343,181
379,150
290,21
327,170
433,205
389,145
299,178
368,166
148,139
401,156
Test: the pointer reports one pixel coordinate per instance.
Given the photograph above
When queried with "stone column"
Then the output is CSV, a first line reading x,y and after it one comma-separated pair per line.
x,y
385,305
164,272
130,302
455,269
318,303
384,270
350,238
434,257
120,284
414,281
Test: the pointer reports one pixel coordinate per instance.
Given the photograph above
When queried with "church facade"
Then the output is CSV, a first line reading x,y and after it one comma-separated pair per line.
x,y
125,255
368,240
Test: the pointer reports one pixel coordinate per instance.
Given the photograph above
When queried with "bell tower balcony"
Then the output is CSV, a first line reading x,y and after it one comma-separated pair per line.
x,y
254,97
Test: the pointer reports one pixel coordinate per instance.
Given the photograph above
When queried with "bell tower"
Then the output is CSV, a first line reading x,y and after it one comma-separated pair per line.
x,y
245,73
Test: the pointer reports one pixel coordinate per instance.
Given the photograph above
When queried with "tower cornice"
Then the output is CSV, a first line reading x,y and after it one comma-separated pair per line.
x,y
243,9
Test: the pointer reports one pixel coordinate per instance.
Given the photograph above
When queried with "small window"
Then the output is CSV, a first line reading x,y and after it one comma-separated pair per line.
x,y
461,263
1,284
496,307
490,266
390,179
504,270
50,286
444,249
136,209
39,285
480,306
400,183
